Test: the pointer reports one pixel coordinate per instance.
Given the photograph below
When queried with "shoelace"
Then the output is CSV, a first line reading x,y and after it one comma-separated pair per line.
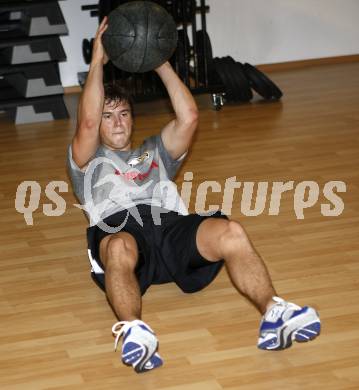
x,y
125,325
277,309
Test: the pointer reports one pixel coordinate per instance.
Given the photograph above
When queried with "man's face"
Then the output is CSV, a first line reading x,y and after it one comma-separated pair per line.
x,y
116,126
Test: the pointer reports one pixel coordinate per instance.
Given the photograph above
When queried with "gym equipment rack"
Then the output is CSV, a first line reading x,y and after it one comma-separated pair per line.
x,y
192,59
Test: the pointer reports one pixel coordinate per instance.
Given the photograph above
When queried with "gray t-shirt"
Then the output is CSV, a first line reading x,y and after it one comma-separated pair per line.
x,y
118,180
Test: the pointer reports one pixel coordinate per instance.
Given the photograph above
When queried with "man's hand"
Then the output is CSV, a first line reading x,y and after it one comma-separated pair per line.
x,y
98,52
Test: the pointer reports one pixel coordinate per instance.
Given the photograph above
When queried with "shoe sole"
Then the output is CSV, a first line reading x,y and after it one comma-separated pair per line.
x,y
308,330
139,365
154,362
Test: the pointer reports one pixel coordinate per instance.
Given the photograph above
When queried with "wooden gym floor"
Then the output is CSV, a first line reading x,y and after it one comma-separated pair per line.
x,y
56,324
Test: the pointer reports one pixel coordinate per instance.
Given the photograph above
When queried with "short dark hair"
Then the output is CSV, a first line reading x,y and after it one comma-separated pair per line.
x,y
117,93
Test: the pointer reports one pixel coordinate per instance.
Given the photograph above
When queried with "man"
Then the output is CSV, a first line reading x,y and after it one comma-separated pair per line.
x,y
158,241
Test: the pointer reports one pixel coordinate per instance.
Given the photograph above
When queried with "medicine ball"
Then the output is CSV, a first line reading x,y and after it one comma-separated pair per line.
x,y
141,36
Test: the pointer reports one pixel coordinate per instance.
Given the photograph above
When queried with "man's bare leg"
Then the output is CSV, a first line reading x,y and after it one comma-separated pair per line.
x,y
119,254
223,239
285,322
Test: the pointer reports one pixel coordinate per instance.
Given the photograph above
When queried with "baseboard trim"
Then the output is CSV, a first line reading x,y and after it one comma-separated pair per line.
x,y
280,66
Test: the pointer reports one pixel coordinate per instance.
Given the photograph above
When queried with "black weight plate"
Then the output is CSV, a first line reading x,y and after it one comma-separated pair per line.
x,y
184,10
222,71
243,90
86,51
202,41
216,80
218,74
246,93
261,83
260,86
235,93
182,35
182,54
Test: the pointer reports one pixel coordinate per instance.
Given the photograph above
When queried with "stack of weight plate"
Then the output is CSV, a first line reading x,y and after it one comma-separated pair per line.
x,y
240,79
30,49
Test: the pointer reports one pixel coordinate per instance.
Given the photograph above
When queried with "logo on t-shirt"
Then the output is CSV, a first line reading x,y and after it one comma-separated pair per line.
x,y
135,174
137,160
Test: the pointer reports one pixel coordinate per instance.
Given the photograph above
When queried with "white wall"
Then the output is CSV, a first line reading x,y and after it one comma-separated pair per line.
x,y
270,31
256,31
80,26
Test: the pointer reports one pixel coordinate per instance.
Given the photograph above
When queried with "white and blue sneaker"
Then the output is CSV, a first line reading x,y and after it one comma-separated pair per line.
x,y
139,345
285,322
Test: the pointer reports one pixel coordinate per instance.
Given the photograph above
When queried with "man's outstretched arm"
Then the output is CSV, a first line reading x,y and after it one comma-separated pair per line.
x,y
89,113
177,134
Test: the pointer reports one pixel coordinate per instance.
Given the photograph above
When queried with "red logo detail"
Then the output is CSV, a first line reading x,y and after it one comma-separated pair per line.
x,y
136,175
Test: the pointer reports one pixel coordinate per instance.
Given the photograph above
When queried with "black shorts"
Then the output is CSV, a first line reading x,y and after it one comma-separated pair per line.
x,y
167,251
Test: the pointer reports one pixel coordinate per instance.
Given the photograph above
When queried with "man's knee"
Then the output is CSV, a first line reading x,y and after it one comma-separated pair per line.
x,y
120,250
233,237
